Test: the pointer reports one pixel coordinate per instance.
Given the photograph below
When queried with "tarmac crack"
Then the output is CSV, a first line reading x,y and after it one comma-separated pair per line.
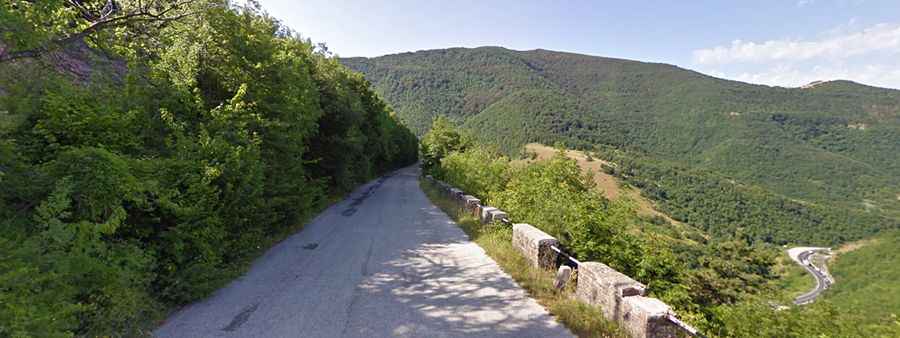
x,y
241,318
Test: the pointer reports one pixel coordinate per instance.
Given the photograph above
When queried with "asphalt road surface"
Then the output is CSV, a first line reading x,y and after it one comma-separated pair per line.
x,y
385,262
822,281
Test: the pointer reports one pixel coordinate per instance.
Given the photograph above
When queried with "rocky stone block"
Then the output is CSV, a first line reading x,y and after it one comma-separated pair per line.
x,y
535,245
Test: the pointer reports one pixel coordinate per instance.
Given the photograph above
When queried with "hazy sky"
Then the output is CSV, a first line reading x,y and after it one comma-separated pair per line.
x,y
786,43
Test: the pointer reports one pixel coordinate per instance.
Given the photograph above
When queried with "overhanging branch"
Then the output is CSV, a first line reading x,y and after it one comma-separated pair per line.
x,y
101,19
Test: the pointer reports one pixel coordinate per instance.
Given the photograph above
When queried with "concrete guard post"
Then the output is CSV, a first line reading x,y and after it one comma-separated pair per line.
x,y
647,317
498,215
471,203
535,245
455,193
485,214
600,285
621,299
460,198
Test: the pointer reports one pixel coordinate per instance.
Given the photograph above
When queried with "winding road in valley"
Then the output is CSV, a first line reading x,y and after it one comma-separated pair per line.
x,y
803,256
384,262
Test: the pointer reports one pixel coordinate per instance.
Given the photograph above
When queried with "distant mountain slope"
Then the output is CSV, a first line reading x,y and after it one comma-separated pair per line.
x,y
834,145
867,275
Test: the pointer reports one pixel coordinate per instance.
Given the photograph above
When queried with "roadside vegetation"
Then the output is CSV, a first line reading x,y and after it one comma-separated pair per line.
x,y
794,279
145,163
496,240
724,285
815,166
868,280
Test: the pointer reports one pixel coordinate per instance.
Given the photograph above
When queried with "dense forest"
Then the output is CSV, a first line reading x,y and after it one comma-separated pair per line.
x,y
813,165
150,149
725,285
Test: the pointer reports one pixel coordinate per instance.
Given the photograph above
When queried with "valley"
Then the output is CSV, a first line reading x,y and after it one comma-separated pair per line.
x,y
204,168
797,151
813,260
701,163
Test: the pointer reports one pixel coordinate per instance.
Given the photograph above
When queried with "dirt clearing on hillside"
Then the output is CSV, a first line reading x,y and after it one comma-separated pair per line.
x,y
608,184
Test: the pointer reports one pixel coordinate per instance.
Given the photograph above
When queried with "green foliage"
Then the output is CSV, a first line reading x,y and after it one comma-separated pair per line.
x,y
810,166
155,182
866,281
477,171
556,196
760,318
442,139
101,183
725,208
582,319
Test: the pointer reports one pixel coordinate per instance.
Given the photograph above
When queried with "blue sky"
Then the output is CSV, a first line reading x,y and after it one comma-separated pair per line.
x,y
786,43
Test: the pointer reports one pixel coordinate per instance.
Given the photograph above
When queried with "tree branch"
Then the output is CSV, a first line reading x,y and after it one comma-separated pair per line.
x,y
100,22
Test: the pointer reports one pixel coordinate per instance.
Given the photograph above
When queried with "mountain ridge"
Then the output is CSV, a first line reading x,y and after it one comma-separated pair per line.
x,y
831,146
537,50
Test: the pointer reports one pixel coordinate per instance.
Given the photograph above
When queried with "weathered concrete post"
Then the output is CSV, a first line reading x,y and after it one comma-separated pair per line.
x,y
485,215
455,193
472,203
600,285
622,299
646,317
498,215
562,277
535,245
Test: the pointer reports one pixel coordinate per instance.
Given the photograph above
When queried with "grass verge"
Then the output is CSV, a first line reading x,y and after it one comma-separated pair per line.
x,y
794,280
582,319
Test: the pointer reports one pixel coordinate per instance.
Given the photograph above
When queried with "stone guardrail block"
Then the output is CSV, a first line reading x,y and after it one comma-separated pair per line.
x,y
535,245
498,215
600,285
485,214
622,299
645,317
471,202
454,192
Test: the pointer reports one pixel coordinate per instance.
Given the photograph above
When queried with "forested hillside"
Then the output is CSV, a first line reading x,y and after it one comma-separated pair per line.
x,y
150,149
816,165
866,273
723,285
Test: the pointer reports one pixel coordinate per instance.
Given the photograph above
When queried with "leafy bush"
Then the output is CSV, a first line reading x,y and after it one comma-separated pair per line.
x,y
198,144
442,139
477,171
559,198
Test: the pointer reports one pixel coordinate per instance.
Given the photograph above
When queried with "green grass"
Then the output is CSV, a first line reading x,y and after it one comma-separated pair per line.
x,y
794,279
868,280
582,319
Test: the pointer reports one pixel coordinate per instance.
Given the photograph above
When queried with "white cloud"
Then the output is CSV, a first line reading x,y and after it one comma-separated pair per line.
x,y
878,38
788,76
803,3
868,55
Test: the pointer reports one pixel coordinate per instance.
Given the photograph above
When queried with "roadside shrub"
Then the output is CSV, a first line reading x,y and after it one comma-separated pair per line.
x,y
150,185
477,171
442,139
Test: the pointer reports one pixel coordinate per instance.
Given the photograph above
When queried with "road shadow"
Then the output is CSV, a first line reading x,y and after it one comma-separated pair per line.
x,y
445,287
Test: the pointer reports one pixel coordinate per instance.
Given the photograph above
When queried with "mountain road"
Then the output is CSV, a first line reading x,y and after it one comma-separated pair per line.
x,y
383,263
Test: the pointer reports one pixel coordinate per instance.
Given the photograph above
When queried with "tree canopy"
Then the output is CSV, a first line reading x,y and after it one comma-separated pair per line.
x,y
203,133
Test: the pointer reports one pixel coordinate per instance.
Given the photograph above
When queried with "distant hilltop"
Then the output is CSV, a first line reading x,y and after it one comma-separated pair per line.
x,y
813,84
834,148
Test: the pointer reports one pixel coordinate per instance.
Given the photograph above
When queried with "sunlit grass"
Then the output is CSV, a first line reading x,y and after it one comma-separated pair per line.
x,y
795,280
868,280
583,320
